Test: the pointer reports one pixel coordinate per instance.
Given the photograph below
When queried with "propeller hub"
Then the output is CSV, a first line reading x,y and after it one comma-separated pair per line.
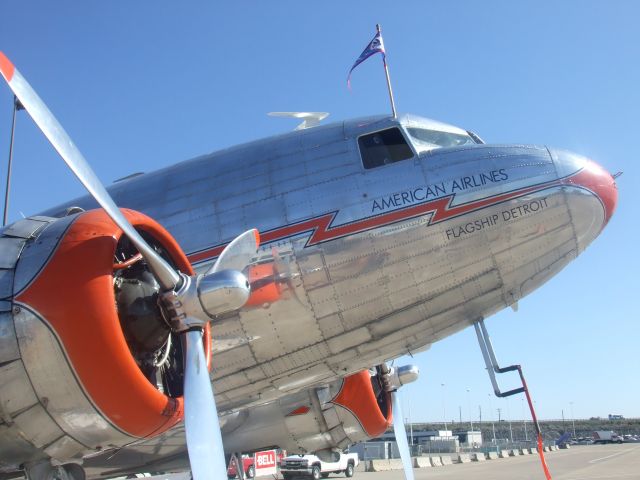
x,y
203,297
395,377
223,291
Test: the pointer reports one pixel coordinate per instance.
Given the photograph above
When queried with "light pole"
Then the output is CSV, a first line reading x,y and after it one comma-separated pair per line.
x,y
410,423
493,424
573,420
524,423
444,410
509,415
469,407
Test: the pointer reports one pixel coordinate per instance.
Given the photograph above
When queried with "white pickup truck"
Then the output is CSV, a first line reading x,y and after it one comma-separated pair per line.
x,y
315,467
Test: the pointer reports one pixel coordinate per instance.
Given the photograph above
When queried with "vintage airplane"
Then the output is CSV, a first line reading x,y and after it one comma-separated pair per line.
x,y
378,237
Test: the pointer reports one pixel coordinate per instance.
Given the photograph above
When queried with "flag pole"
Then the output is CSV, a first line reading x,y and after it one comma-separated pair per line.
x,y
386,71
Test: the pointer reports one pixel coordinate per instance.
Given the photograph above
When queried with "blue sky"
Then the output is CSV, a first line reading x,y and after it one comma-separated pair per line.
x,y
141,85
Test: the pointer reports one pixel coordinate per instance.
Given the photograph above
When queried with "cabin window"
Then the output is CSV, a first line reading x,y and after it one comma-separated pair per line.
x,y
383,147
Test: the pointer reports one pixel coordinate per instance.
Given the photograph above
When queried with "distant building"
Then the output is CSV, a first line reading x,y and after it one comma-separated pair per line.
x,y
616,417
469,438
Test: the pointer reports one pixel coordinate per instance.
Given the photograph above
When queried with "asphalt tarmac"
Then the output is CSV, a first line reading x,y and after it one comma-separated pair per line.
x,y
588,462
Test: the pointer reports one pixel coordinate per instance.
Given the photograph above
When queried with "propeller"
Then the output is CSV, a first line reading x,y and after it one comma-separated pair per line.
x,y
394,378
400,433
238,253
189,301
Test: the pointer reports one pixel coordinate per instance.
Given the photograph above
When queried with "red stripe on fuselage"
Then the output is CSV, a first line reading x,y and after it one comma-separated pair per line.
x,y
440,210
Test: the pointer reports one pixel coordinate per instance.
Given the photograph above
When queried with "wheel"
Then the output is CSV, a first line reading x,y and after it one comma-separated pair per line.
x,y
315,472
349,471
251,471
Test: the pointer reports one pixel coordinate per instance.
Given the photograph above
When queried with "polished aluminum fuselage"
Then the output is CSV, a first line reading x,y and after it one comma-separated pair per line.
x,y
365,274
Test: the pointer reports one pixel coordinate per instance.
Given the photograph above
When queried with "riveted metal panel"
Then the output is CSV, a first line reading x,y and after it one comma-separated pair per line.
x,y
349,339
393,323
25,228
37,426
10,251
339,437
314,274
16,393
53,378
324,301
8,343
266,213
330,415
6,283
14,449
365,307
36,253
297,380
64,449
232,359
331,325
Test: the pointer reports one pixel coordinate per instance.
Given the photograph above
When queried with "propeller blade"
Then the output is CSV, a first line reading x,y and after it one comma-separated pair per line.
x,y
238,254
167,277
204,440
401,436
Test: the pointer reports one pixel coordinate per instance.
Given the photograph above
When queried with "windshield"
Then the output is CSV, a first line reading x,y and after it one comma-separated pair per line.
x,y
424,139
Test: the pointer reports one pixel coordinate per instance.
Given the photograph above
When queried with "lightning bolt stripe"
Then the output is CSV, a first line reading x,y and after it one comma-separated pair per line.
x,y
321,228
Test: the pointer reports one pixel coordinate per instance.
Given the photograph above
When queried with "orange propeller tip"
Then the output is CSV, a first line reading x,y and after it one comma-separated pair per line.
x,y
256,233
6,67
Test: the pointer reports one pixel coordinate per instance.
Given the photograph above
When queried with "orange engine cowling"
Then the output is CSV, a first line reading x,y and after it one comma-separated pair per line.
x,y
78,294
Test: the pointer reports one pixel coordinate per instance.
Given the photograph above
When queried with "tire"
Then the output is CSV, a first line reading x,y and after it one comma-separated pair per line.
x,y
349,471
315,472
251,471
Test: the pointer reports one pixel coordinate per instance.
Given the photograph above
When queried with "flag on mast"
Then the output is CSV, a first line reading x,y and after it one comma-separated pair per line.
x,y
376,45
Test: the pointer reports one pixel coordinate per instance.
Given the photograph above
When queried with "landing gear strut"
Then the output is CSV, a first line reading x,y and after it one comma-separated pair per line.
x,y
493,368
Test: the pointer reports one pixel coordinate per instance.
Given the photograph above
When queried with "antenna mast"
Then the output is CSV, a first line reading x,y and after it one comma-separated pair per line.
x,y
16,106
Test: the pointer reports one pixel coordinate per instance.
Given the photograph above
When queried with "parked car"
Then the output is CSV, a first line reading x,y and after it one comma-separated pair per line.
x,y
315,467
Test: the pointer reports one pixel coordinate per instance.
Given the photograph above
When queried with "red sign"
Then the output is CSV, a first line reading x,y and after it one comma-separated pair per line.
x,y
265,462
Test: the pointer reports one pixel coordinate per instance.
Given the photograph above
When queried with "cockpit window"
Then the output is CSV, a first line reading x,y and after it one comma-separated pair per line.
x,y
424,139
383,147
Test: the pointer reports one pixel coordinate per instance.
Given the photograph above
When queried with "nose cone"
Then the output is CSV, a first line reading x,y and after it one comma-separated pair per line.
x,y
591,193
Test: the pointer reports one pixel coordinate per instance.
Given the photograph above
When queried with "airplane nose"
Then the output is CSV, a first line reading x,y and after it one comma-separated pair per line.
x,y
591,193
